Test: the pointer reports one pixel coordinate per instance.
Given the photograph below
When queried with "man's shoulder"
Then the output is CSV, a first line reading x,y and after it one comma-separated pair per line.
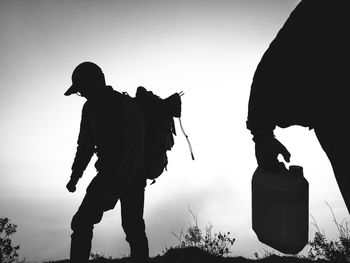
x,y
86,106
131,107
128,105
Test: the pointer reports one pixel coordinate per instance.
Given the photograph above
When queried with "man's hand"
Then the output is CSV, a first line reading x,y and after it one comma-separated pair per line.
x,y
71,186
267,151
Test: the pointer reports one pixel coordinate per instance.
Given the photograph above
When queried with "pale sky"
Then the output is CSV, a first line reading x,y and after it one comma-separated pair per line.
x,y
208,49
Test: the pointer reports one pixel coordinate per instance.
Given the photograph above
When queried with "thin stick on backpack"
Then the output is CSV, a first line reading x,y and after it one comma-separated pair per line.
x,y
188,141
181,93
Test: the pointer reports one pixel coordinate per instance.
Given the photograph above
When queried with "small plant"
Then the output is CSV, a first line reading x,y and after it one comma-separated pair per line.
x,y
98,256
333,250
8,252
217,244
264,254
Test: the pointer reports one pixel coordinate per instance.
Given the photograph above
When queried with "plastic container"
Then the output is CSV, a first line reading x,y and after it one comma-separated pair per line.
x,y
280,208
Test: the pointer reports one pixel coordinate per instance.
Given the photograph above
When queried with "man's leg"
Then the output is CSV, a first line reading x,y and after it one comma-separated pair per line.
x,y
82,224
335,142
132,203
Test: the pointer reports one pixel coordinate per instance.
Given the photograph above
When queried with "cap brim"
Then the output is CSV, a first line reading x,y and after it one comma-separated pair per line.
x,y
73,89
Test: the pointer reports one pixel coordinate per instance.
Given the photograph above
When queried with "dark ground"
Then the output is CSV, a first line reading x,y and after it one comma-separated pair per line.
x,y
195,255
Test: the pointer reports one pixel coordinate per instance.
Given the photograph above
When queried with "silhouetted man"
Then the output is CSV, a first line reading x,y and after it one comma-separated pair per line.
x,y
112,127
302,79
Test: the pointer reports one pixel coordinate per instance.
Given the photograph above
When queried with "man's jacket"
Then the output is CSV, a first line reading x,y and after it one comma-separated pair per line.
x,y
302,77
112,127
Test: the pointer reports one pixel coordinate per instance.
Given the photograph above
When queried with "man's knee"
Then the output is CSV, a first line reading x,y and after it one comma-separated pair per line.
x,y
80,224
85,220
134,230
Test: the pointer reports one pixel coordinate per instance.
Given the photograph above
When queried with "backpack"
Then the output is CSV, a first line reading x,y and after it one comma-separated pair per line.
x,y
159,117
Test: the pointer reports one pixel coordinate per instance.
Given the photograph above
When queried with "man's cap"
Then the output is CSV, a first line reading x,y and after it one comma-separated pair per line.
x,y
85,73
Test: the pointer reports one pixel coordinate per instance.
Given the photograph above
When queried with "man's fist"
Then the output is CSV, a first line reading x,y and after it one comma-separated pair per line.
x,y
71,186
267,151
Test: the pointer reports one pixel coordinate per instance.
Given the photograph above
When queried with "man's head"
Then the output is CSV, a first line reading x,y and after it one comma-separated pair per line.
x,y
87,79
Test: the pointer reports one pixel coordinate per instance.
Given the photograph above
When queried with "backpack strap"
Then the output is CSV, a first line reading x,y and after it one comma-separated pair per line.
x,y
173,104
188,141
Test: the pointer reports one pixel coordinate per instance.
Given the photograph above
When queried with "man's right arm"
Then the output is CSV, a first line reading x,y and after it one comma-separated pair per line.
x,y
84,152
262,112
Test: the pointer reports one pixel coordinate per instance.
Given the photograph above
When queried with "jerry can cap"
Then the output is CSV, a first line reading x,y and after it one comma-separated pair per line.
x,y
296,170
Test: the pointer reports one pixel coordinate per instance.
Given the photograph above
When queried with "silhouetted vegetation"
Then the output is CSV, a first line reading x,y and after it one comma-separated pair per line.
x,y
8,252
337,250
216,244
99,256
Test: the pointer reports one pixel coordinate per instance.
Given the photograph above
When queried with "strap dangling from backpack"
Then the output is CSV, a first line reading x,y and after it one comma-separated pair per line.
x,y
188,141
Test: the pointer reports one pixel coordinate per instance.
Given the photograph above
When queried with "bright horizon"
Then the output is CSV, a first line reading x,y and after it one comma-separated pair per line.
x,y
208,49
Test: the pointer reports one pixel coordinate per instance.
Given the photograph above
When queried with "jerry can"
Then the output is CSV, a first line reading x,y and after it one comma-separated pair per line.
x,y
280,208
